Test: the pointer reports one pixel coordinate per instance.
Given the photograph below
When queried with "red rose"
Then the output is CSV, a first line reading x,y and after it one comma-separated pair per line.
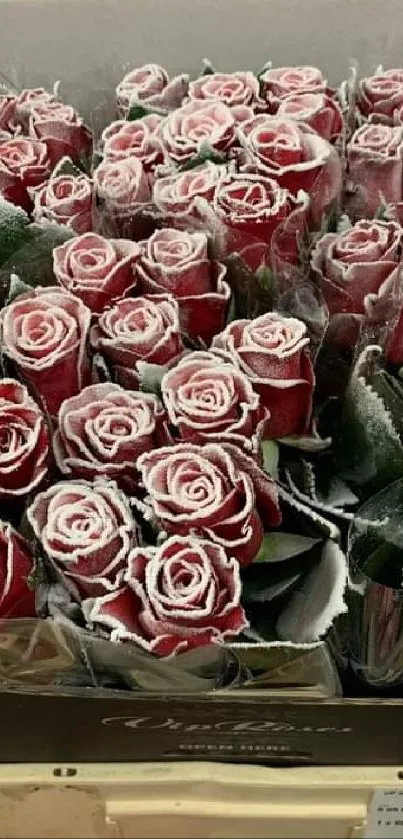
x,y
61,129
318,110
150,85
141,329
139,138
66,199
208,399
281,81
252,207
87,530
103,430
231,88
381,95
186,130
122,184
23,163
24,441
28,99
272,351
208,491
182,595
353,264
177,262
44,333
99,271
17,598
8,105
295,156
177,195
375,168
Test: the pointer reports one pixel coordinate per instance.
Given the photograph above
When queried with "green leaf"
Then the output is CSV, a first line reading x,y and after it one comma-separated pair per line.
x,y
270,452
381,212
14,229
254,592
231,315
16,287
208,69
278,547
306,444
151,376
138,111
265,277
66,167
34,261
206,153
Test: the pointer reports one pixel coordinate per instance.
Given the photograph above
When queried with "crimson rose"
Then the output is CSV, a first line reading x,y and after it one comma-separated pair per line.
x,y
375,167
139,138
87,530
66,199
61,129
44,333
272,351
176,196
182,595
233,89
295,156
381,95
278,82
135,330
211,491
24,441
177,262
103,430
23,163
17,595
353,264
318,110
99,271
208,399
186,130
150,85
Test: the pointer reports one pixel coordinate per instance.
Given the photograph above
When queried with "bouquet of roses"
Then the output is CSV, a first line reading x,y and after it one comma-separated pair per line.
x,y
201,339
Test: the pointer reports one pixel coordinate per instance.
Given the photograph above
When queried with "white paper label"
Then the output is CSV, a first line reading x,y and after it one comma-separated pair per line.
x,y
385,815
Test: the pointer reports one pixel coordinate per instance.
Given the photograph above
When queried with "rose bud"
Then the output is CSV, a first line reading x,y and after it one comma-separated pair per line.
x,y
381,95
177,262
135,330
375,168
99,271
61,129
295,156
44,333
24,441
233,89
17,596
151,86
87,530
182,595
185,130
139,138
103,430
272,351
23,163
211,491
176,195
252,207
350,265
279,82
318,110
65,199
209,399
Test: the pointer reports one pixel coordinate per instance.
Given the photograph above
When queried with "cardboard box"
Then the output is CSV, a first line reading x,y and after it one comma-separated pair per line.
x,y
87,44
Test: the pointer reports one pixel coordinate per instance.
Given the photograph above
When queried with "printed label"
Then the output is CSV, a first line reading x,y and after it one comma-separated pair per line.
x,y
385,815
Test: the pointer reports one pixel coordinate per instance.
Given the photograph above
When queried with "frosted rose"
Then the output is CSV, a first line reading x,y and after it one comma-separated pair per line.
x,y
138,329
103,430
44,333
182,595
121,184
272,352
17,564
185,130
209,399
375,167
279,82
318,110
139,138
24,441
381,95
87,530
23,163
210,492
99,271
61,129
240,88
177,262
66,199
176,195
150,85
